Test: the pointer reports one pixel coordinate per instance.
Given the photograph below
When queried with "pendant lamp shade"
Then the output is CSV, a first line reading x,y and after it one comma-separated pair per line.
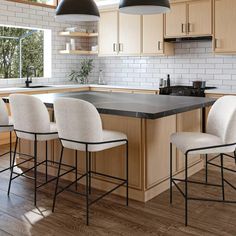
x,y
77,10
144,7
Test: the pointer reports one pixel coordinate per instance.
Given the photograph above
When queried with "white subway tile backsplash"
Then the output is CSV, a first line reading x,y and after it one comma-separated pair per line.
x,y
192,60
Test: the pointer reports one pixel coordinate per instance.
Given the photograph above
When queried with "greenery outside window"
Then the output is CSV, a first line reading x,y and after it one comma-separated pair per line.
x,y
23,47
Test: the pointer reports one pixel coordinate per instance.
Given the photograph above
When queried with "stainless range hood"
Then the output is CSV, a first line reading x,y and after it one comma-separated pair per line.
x,y
188,39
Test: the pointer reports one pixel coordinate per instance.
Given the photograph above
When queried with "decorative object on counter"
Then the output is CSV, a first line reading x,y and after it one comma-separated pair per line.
x,y
83,73
144,7
74,10
199,84
168,81
101,78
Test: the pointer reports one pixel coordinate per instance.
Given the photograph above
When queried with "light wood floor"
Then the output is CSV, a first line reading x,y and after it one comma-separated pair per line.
x,y
110,216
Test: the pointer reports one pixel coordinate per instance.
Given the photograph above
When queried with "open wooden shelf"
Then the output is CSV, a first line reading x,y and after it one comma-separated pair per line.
x,y
78,34
77,52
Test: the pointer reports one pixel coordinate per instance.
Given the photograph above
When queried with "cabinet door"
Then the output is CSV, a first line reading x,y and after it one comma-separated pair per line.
x,y
225,18
153,34
176,21
108,33
129,34
200,18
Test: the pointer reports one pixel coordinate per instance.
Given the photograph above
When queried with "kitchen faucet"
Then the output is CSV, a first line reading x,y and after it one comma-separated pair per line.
x,y
29,75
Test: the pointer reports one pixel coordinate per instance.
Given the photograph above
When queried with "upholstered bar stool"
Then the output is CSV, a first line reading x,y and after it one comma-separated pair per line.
x,y
31,122
220,140
6,126
80,128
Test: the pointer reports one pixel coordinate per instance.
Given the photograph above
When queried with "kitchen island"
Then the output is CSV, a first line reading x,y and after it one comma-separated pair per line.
x,y
148,121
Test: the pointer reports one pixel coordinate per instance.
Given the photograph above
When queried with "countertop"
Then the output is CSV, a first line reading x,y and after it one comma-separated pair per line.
x,y
72,86
220,91
133,105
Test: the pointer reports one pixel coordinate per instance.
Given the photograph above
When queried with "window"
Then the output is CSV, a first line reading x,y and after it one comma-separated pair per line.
x,y
20,48
46,3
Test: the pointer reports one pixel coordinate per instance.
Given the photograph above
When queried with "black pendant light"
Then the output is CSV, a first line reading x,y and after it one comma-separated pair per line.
x,y
144,7
77,10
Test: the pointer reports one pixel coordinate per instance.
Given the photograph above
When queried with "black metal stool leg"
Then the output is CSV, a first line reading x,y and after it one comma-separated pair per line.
x,y
35,170
89,172
87,185
76,170
127,173
235,156
186,189
46,161
10,148
171,190
58,176
12,166
222,175
206,168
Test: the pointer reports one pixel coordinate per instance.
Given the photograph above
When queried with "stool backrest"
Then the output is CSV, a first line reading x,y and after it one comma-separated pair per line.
x,y
29,114
4,119
78,120
222,119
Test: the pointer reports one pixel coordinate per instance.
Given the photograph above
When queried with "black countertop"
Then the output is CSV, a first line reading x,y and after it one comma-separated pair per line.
x,y
133,105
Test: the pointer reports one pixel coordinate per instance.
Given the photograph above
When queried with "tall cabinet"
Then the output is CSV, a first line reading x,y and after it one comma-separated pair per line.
x,y
224,27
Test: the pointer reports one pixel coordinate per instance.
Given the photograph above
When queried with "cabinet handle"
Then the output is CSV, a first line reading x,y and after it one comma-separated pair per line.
x,y
182,28
217,43
190,27
159,46
114,47
120,47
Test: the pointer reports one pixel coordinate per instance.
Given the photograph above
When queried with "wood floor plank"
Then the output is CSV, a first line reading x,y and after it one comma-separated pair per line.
x,y
110,217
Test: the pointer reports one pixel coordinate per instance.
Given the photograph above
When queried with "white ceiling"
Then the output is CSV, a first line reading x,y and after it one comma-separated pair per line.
x,y
106,2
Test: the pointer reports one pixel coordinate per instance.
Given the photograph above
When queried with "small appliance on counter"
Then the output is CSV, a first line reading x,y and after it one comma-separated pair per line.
x,y
196,90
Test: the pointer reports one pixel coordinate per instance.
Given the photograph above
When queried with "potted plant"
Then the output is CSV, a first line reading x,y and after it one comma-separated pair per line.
x,y
85,70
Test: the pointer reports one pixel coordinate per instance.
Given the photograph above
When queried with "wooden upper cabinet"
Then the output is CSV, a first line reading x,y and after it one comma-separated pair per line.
x,y
176,21
225,33
200,18
189,18
108,33
153,36
129,34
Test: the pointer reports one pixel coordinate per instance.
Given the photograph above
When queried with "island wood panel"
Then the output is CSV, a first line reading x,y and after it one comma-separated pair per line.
x,y
112,161
157,143
188,122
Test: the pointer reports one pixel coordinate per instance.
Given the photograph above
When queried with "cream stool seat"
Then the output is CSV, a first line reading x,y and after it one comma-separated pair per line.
x,y
107,136
185,141
80,128
220,138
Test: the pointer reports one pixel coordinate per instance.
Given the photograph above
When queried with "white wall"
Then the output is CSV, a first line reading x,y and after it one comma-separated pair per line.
x,y
192,61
